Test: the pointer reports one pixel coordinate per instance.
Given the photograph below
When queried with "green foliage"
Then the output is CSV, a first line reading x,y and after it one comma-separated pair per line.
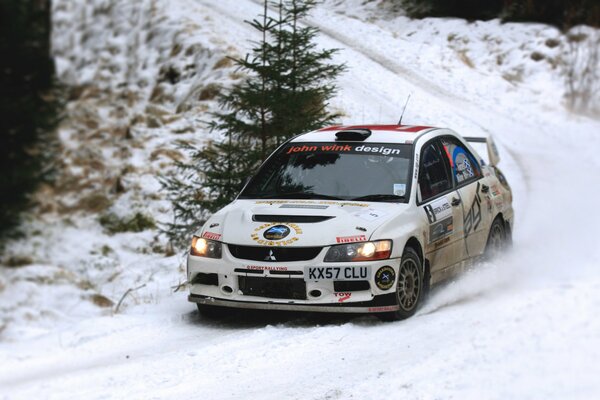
x,y
27,105
206,184
138,223
561,13
468,9
288,84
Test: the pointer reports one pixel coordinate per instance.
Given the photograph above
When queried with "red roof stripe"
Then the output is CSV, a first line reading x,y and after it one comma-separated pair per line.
x,y
414,128
400,128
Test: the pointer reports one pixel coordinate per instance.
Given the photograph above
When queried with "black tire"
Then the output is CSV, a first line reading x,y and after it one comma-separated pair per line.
x,y
409,287
497,241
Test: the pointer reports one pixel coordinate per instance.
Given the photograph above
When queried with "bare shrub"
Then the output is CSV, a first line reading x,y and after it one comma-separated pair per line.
x,y
582,70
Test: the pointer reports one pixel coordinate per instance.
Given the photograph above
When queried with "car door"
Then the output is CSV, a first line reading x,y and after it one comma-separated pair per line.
x,y
473,192
440,204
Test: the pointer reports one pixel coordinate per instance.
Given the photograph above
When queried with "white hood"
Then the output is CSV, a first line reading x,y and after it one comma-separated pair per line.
x,y
349,222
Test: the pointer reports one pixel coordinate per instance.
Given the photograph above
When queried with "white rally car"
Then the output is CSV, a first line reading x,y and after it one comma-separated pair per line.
x,y
355,219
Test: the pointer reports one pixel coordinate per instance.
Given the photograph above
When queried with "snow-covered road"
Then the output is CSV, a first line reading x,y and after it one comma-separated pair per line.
x,y
522,327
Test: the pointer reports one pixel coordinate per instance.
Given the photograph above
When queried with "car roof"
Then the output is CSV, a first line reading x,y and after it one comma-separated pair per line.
x,y
379,133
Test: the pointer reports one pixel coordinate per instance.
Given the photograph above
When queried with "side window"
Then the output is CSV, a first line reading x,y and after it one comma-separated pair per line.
x,y
464,166
434,177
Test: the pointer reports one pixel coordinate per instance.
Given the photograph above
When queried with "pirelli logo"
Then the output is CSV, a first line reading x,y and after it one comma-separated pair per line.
x,y
351,239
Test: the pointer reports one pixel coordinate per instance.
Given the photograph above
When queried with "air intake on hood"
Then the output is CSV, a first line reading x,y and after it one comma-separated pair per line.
x,y
290,218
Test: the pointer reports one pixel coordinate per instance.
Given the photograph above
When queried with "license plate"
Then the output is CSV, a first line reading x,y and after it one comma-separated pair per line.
x,y
337,273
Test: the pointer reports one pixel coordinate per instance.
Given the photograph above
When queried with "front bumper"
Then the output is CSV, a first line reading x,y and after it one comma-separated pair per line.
x,y
382,303
225,283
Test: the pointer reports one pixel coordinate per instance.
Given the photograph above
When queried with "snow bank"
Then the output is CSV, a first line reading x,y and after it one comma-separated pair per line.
x,y
142,78
523,326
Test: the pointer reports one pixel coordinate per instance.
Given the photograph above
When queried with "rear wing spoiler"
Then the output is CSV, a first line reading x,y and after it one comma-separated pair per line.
x,y
478,143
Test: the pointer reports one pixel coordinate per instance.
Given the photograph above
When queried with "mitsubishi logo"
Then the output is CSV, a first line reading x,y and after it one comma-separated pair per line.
x,y
271,256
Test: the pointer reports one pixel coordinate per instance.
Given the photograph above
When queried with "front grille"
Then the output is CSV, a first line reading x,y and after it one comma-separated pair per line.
x,y
290,218
286,272
248,271
273,288
279,254
350,286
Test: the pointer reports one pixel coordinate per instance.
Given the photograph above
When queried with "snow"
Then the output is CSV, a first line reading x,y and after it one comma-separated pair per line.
x,y
523,326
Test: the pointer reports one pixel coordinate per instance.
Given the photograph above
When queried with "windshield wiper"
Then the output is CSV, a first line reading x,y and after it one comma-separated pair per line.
x,y
299,195
379,197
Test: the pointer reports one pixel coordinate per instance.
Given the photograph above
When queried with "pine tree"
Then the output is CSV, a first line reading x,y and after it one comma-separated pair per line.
x,y
27,111
306,74
286,91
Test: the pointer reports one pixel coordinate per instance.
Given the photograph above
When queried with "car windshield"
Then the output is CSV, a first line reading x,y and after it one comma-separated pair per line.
x,y
336,171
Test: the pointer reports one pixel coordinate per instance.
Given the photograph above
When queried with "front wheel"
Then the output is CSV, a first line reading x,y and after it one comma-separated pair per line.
x,y
409,286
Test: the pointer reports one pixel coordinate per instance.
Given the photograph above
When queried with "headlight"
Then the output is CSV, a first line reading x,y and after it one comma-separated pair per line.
x,y
205,248
366,251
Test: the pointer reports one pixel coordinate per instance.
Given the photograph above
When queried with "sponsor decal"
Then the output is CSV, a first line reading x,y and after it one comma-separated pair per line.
x,y
472,218
370,214
342,297
442,242
265,268
386,151
213,225
351,239
275,233
211,235
495,190
439,215
399,189
344,148
416,166
438,209
462,166
385,277
383,309
440,229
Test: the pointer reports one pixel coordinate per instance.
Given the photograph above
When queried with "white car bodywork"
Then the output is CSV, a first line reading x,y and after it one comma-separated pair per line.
x,y
447,231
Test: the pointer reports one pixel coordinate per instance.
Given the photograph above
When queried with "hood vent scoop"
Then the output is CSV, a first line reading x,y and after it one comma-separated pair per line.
x,y
307,219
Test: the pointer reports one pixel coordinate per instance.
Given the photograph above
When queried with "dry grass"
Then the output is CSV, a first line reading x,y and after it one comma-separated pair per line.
x,y
537,56
16,261
93,203
101,301
168,153
223,63
462,56
209,92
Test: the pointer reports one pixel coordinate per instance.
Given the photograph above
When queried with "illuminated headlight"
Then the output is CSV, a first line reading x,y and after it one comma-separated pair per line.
x,y
205,248
366,251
